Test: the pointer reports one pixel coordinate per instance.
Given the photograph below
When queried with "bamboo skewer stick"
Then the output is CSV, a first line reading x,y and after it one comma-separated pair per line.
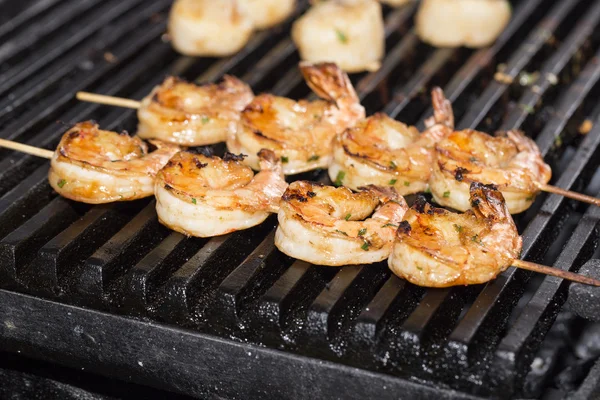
x,y
572,195
25,148
108,100
571,276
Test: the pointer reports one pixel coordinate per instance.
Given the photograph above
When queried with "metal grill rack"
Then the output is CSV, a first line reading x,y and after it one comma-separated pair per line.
x,y
108,288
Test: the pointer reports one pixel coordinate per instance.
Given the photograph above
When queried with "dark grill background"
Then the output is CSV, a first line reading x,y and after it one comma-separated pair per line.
x,y
117,258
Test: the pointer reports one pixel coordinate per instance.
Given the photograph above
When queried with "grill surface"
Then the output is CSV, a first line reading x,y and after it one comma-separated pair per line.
x,y
231,315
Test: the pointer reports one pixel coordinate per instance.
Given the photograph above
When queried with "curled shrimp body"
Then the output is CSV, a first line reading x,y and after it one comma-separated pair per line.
x,y
333,226
385,152
299,132
209,196
192,115
95,166
209,28
512,162
267,13
438,248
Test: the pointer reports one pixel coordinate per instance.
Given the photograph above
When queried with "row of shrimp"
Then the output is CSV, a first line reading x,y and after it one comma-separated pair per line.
x,y
376,160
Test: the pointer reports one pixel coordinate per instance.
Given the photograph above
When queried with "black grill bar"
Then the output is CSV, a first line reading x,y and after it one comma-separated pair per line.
x,y
119,259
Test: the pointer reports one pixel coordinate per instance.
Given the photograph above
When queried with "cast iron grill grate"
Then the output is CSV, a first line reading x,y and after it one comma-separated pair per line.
x,y
117,259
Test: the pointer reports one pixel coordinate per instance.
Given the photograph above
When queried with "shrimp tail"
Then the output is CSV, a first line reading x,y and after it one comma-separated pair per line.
x,y
268,161
488,203
442,110
329,82
523,143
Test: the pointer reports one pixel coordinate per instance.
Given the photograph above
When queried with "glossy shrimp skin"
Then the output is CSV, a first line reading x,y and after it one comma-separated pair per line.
x,y
193,115
385,152
438,248
94,166
511,161
299,132
331,226
209,28
208,196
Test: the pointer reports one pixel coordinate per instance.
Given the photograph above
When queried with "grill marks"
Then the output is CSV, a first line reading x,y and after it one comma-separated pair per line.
x,y
240,284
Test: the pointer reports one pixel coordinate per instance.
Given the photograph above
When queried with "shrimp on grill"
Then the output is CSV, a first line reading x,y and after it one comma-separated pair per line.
x,y
385,152
209,28
347,32
438,248
299,132
510,161
191,115
333,226
96,166
209,196
267,13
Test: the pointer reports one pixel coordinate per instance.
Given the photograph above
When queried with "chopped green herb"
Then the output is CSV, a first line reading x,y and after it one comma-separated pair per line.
x,y
393,181
447,194
339,179
347,217
316,116
362,232
284,159
428,190
61,183
406,183
205,119
419,268
476,239
530,198
365,246
313,158
389,224
342,232
193,201
393,165
341,36
458,228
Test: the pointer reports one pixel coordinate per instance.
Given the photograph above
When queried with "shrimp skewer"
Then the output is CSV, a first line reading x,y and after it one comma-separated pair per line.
x,y
209,196
438,248
299,132
385,152
333,226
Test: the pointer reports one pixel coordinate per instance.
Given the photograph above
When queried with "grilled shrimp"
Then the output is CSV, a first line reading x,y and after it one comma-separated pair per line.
x,y
95,166
208,27
396,3
512,162
209,196
299,132
438,248
333,226
453,23
267,13
191,115
385,152
349,33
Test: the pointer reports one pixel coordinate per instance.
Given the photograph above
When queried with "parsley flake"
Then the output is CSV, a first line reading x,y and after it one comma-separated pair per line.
x,y
447,194
193,200
61,183
389,224
284,159
342,232
339,178
341,36
347,217
313,158
362,232
205,119
393,165
365,246
393,181
406,183
458,228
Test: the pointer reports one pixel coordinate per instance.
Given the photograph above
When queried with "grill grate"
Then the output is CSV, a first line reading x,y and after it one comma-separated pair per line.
x,y
117,259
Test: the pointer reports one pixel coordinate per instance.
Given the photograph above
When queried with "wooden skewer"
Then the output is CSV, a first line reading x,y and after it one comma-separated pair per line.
x,y
24,148
572,195
108,100
571,276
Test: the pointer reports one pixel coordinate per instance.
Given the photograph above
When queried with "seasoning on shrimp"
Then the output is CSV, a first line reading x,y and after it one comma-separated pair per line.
x,y
96,166
332,226
193,115
299,132
208,196
440,248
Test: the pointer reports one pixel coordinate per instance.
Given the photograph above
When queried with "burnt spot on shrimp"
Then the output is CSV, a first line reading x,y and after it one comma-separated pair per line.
x,y
199,164
233,157
459,172
404,227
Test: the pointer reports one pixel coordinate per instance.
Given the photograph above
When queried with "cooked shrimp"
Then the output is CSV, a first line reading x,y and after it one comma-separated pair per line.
x,y
209,196
396,3
299,132
208,27
349,33
512,162
267,13
333,226
438,248
385,152
95,166
191,115
453,23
